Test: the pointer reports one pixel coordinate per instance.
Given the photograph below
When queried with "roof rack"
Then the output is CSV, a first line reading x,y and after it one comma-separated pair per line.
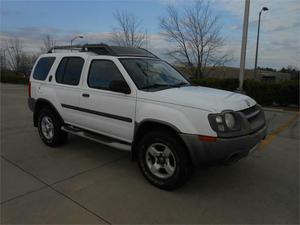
x,y
100,49
65,47
104,49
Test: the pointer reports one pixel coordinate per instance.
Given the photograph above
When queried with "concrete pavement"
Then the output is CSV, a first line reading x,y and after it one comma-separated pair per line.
x,y
85,182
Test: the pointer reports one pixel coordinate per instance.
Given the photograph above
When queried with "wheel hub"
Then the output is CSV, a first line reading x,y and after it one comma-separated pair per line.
x,y
160,160
47,127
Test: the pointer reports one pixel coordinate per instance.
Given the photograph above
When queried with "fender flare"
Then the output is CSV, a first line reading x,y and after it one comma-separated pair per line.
x,y
37,108
139,124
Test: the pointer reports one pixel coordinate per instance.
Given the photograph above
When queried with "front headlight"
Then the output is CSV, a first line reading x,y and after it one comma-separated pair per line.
x,y
225,122
229,120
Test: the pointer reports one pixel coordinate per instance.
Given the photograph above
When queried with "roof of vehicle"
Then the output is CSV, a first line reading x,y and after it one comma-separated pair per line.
x,y
103,49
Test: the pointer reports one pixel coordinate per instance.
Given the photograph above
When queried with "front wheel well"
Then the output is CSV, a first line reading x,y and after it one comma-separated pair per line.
x,y
41,104
147,126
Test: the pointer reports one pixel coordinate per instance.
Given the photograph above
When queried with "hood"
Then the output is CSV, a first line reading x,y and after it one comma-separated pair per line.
x,y
208,99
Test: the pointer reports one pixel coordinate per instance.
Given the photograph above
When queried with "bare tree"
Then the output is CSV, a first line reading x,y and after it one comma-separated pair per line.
x,y
27,61
16,59
2,59
129,32
196,37
48,43
14,49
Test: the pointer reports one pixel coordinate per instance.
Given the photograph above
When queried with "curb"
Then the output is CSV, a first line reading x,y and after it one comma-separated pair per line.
x,y
274,110
280,110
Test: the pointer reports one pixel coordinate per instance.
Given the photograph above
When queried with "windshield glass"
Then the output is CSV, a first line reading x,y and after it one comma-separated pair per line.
x,y
151,74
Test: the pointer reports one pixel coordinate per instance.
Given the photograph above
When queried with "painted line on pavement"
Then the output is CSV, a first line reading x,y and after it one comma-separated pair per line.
x,y
280,129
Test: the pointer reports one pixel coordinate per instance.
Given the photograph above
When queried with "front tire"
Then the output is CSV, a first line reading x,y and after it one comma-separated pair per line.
x,y
163,160
49,127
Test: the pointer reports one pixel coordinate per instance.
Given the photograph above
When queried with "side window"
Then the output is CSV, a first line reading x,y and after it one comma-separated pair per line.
x,y
102,73
69,70
59,76
43,67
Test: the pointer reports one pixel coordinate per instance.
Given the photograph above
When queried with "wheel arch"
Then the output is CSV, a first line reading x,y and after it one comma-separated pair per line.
x,y
147,125
39,105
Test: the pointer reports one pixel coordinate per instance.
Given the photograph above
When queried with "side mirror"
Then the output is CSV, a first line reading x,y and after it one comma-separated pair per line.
x,y
120,86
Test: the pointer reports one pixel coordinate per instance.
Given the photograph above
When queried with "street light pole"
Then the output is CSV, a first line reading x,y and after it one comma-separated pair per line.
x,y
244,45
257,41
74,40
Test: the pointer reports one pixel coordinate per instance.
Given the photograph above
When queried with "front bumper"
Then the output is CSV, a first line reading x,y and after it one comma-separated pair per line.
x,y
224,149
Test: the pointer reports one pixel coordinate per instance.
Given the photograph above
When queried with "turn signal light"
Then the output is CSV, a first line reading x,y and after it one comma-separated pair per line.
x,y
207,138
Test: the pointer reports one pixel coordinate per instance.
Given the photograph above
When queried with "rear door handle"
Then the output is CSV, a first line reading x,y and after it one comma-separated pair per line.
x,y
86,95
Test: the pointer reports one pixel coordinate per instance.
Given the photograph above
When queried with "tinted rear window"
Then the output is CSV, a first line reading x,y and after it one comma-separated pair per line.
x,y
69,70
43,67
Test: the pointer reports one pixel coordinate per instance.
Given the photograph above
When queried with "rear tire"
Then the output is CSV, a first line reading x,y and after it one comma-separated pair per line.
x,y
163,160
49,127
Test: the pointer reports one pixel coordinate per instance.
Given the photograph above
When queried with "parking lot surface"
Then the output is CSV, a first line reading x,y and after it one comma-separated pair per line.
x,y
86,182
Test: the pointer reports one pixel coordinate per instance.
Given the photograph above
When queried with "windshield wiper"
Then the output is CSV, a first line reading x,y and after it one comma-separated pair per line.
x,y
155,86
180,84
166,85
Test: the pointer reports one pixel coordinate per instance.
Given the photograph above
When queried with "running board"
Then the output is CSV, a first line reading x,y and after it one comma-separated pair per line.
x,y
98,138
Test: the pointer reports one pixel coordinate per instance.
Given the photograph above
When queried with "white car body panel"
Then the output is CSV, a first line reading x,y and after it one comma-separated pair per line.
x,y
176,115
203,98
110,102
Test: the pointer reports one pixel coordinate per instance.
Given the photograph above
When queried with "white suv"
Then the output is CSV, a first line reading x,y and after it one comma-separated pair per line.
x,y
130,99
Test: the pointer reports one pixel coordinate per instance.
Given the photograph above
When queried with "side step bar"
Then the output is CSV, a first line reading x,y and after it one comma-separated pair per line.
x,y
114,143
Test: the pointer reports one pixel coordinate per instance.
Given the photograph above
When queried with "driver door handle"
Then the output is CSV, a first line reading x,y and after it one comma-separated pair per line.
x,y
86,95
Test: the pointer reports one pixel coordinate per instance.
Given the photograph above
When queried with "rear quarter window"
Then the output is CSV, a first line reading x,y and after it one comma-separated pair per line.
x,y
43,67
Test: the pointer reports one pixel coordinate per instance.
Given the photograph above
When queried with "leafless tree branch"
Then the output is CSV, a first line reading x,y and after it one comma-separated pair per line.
x,y
48,43
195,35
16,59
14,49
129,32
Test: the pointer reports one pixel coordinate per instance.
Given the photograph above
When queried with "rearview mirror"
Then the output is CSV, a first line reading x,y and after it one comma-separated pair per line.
x,y
120,86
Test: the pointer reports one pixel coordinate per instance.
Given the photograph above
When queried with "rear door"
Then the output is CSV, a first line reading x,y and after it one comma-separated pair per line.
x,y
67,86
39,75
103,110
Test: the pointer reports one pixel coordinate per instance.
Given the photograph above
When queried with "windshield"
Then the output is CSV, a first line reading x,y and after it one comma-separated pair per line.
x,y
152,74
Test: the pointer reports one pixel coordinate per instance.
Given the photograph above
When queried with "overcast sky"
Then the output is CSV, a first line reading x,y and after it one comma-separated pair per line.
x,y
32,20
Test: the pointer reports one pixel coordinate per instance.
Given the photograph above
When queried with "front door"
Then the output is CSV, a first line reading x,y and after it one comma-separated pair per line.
x,y
105,111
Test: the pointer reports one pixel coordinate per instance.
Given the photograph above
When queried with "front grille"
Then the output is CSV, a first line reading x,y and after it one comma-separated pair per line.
x,y
255,117
251,112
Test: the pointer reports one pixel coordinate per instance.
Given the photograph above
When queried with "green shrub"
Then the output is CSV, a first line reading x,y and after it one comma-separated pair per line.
x,y
283,93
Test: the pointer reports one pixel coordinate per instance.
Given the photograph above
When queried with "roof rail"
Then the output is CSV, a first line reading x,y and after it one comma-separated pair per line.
x,y
100,49
104,49
65,47
155,56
